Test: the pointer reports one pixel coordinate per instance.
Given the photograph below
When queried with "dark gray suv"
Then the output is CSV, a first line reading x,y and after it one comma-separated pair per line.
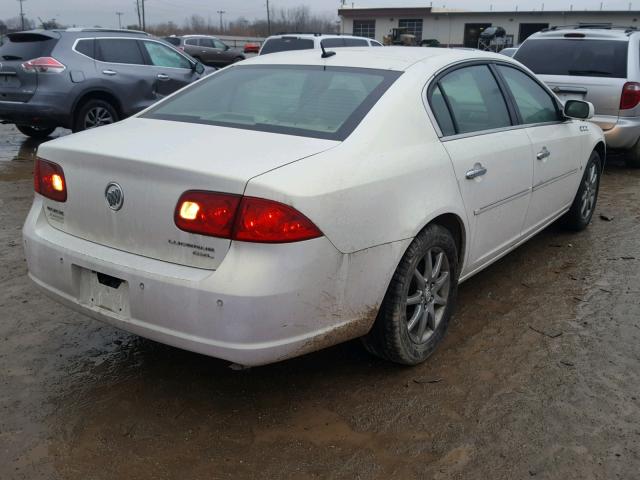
x,y
84,78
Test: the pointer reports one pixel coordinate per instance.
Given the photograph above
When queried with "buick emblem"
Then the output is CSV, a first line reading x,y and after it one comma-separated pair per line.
x,y
114,196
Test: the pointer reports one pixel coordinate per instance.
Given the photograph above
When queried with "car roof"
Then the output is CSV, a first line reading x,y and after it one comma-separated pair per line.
x,y
316,35
570,32
387,58
197,36
81,32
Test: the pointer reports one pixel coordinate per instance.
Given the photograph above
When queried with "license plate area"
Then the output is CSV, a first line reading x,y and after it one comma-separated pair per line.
x,y
103,291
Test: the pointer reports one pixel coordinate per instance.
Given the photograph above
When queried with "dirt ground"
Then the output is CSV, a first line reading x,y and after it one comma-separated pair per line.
x,y
539,377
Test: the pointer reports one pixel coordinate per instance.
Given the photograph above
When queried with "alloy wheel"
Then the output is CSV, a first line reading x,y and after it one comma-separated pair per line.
x,y
97,117
428,295
590,185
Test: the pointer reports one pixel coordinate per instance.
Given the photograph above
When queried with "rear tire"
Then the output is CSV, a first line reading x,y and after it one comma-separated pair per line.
x,y
36,132
419,302
95,113
584,203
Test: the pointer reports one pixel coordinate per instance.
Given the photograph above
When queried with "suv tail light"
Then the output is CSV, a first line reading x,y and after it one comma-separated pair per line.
x,y
48,180
630,96
43,65
246,219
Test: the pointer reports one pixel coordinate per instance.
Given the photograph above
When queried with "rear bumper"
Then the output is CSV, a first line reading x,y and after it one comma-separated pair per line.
x,y
41,110
265,303
619,132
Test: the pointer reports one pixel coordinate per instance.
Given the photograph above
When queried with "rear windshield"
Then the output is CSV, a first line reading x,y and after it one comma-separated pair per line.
x,y
310,101
26,46
172,40
285,44
575,57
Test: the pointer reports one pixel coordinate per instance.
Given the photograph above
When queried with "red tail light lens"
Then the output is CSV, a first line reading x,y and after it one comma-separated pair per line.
x,y
266,221
44,65
207,213
247,219
49,181
630,96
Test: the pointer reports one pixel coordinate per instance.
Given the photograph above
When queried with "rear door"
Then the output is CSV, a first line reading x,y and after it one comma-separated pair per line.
x,y
173,70
17,85
557,146
491,158
577,67
124,70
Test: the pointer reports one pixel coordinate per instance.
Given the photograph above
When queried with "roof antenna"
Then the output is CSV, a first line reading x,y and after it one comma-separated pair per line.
x,y
326,54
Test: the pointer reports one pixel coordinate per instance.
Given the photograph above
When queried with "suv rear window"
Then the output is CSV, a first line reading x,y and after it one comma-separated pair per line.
x,y
309,101
574,57
26,46
119,50
285,44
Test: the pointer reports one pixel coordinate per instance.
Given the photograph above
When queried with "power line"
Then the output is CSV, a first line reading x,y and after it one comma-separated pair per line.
x,y
220,12
21,13
119,14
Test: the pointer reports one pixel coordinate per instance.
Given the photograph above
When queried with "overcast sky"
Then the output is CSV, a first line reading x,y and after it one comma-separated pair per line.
x,y
102,12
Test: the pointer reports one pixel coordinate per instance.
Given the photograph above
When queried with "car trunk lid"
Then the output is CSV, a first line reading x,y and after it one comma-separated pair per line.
x,y
154,162
16,84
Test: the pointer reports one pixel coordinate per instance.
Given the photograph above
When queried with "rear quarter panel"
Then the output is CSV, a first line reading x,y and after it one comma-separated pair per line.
x,y
383,184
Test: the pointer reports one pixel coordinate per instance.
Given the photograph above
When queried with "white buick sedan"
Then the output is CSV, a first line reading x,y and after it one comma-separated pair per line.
x,y
295,201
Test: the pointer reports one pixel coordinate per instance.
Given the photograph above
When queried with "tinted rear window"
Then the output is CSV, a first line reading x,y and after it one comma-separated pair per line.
x,y
86,47
117,50
172,40
26,46
575,57
355,42
310,101
285,44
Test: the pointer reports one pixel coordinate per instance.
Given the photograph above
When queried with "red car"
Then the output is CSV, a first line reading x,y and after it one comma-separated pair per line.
x,y
251,48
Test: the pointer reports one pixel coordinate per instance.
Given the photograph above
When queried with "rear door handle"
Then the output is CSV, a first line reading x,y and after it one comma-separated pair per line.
x,y
477,171
542,154
109,72
162,76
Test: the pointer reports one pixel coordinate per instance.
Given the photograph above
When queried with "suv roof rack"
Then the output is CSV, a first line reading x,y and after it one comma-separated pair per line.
x,y
104,30
600,26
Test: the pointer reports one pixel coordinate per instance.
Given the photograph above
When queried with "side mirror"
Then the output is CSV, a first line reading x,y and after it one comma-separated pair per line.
x,y
579,109
198,68
226,47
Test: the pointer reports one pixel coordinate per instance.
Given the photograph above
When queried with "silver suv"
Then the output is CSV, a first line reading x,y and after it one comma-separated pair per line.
x,y
597,63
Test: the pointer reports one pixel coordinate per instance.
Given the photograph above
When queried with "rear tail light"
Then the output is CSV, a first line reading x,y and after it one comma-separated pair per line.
x,y
43,65
246,219
630,96
48,180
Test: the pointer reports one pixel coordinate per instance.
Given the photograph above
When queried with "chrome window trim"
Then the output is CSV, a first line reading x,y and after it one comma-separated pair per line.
x,y
73,48
479,61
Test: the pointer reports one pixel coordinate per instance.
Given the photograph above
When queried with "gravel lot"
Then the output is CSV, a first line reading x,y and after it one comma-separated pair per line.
x,y
539,377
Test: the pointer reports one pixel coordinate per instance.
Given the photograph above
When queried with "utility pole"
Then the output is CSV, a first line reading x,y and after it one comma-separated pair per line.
x,y
119,14
221,12
21,14
144,17
268,19
138,12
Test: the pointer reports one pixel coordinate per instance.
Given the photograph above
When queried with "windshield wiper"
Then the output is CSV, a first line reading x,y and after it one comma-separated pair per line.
x,y
11,57
589,72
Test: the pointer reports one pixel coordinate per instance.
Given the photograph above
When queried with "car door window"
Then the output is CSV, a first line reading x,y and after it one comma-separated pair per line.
x,y
206,42
441,112
119,50
475,100
332,42
192,41
534,103
355,42
219,44
162,56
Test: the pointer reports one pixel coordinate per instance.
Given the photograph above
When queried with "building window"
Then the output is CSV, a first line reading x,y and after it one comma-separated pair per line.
x,y
364,28
413,26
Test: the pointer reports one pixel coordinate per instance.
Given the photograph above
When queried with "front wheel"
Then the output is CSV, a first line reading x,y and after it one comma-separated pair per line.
x,y
584,203
420,300
35,132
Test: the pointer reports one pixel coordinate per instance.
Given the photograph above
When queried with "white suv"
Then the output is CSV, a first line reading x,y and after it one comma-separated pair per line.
x,y
309,41
597,63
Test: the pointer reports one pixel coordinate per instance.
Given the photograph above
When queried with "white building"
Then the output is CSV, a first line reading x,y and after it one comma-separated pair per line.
x,y
462,28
